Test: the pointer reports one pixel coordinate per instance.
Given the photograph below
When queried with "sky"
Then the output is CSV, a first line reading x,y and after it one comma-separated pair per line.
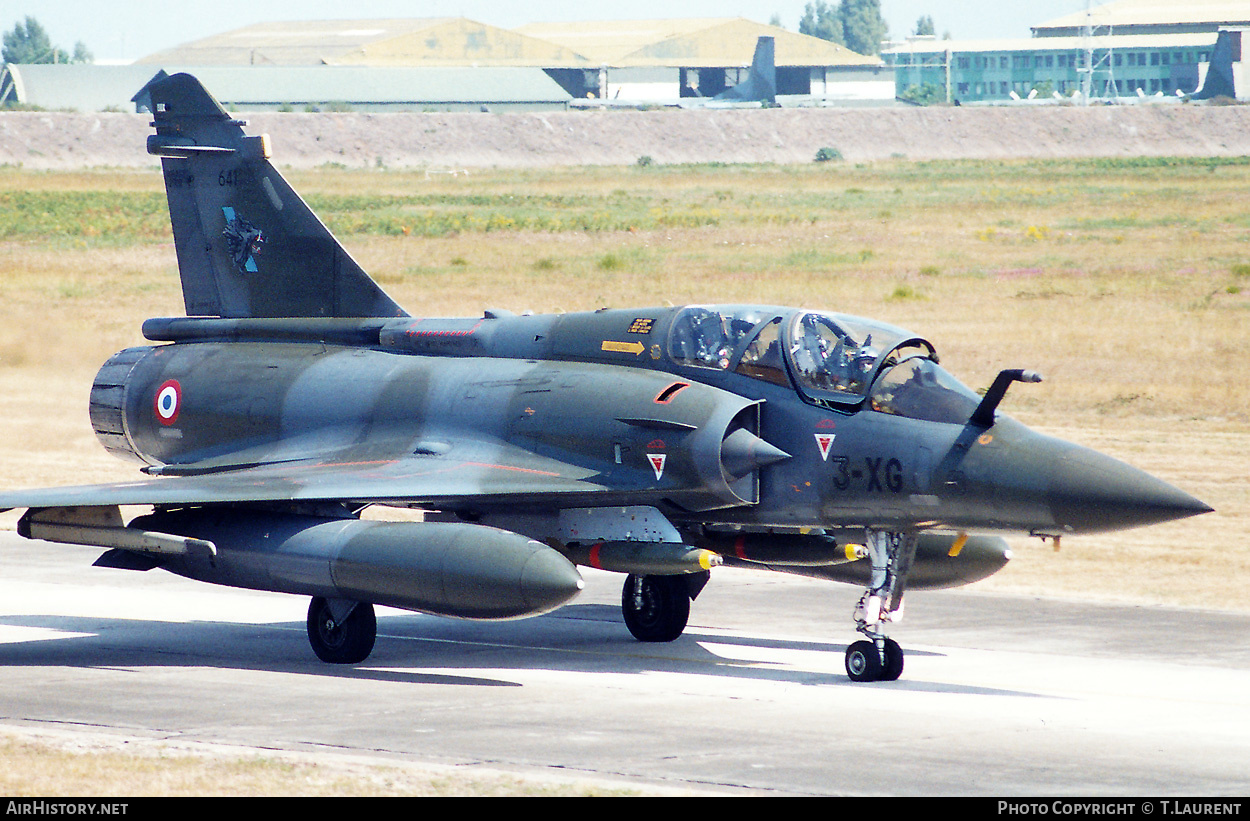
x,y
124,30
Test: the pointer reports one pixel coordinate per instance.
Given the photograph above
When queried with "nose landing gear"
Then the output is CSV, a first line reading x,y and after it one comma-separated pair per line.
x,y
878,657
879,660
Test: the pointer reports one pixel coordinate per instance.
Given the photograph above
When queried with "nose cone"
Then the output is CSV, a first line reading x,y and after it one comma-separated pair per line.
x,y
548,580
743,452
1091,493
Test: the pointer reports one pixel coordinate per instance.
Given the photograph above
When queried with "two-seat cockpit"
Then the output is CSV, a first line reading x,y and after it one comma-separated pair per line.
x,y
833,360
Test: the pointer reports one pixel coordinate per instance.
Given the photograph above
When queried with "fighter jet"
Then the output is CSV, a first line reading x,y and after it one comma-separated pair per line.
x,y
759,89
660,443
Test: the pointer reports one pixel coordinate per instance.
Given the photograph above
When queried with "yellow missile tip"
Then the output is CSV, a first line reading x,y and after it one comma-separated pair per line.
x,y
957,545
854,552
708,559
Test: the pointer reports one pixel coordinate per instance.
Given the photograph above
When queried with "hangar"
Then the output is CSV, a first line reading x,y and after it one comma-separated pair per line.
x,y
452,63
295,88
666,60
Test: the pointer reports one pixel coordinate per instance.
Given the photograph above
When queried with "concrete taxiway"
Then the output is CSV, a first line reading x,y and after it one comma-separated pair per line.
x,y
1001,695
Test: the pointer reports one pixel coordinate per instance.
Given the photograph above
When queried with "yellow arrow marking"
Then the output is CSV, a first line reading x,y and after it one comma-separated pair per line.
x,y
636,348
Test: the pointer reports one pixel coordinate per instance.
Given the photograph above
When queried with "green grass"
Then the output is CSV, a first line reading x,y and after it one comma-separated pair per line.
x,y
1084,198
84,216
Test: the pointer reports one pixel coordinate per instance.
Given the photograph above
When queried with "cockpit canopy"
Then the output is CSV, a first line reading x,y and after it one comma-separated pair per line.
x,y
834,360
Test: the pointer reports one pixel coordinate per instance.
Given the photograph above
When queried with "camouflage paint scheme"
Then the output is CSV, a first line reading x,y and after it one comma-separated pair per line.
x,y
657,442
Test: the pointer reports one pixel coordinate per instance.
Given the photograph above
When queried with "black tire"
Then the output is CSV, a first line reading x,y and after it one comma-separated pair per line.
x,y
863,663
350,642
656,608
893,661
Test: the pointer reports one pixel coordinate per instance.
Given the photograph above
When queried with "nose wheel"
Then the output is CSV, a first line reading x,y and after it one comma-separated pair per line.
x,y
873,661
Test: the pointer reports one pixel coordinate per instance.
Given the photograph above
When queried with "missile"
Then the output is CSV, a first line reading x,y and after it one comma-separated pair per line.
x,y
448,569
642,558
781,549
942,560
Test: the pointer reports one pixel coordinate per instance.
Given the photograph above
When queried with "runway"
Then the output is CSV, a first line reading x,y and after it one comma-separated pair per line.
x,y
1001,695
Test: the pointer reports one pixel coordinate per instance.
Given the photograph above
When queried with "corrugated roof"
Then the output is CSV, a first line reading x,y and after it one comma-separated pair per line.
x,y
609,42
91,88
689,43
456,41
416,85
1124,13
431,41
79,86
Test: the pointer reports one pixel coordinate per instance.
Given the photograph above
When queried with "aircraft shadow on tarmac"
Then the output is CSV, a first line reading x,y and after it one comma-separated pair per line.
x,y
584,638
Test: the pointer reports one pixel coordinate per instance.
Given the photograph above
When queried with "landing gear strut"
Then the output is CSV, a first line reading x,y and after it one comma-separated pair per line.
x,y
880,658
341,632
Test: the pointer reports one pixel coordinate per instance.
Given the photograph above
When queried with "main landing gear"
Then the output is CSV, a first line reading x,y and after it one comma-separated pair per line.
x,y
877,657
656,608
341,632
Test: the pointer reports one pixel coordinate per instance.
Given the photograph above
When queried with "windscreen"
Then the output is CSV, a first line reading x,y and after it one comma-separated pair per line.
x,y
833,358
919,388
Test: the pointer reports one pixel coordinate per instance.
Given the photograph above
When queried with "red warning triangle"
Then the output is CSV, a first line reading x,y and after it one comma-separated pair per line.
x,y
824,441
657,463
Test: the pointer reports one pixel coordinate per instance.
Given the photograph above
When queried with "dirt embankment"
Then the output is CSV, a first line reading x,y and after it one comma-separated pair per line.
x,y
67,140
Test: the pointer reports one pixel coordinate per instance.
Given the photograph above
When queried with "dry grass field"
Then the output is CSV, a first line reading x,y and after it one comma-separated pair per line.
x,y
1126,283
46,764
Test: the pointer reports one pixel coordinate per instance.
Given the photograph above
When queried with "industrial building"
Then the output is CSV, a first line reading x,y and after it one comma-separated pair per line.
x,y
1126,49
447,64
979,70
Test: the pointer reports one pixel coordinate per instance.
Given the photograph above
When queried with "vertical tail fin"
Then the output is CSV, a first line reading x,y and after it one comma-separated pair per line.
x,y
247,245
1220,80
761,82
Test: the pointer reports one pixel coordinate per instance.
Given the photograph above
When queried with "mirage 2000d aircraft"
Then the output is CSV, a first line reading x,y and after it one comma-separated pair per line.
x,y
657,442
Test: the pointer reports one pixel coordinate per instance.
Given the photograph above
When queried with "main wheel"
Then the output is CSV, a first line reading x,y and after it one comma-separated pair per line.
x,y
893,661
656,608
863,663
347,642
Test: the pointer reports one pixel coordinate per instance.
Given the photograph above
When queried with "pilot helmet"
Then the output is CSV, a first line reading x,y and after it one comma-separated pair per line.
x,y
866,356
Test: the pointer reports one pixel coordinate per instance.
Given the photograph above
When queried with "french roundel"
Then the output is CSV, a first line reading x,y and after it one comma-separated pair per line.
x,y
168,401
